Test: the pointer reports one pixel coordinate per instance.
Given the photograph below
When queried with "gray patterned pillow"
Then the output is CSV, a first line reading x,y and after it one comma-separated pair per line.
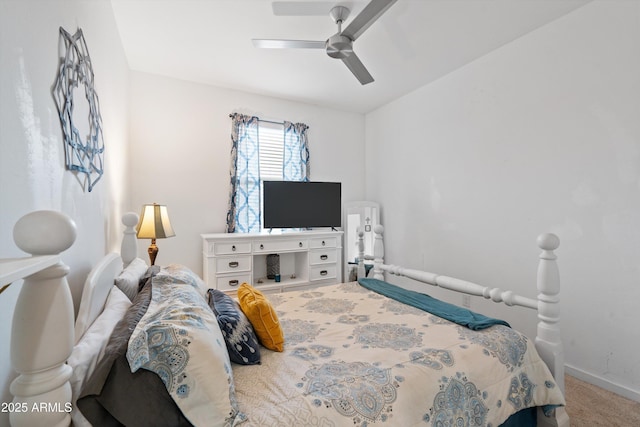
x,y
241,340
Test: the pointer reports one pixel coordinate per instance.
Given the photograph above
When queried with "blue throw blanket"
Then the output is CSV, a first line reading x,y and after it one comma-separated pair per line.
x,y
424,302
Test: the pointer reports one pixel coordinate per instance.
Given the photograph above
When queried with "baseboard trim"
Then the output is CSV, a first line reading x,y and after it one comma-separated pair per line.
x,y
604,383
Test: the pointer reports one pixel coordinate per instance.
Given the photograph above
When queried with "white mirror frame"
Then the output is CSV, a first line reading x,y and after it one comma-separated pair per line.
x,y
362,214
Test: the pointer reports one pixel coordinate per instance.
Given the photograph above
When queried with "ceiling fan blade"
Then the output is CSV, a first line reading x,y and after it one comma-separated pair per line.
x,y
288,44
298,8
368,16
358,69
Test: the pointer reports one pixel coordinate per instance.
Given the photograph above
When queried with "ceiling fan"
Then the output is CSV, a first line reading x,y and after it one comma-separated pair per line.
x,y
339,45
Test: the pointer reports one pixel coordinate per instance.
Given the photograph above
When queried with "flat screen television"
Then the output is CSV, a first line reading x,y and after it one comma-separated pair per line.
x,y
295,204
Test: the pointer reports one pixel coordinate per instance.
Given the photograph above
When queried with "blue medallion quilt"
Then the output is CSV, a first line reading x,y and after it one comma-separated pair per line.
x,y
354,357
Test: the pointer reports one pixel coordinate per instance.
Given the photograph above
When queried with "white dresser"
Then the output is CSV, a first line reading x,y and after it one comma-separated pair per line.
x,y
307,258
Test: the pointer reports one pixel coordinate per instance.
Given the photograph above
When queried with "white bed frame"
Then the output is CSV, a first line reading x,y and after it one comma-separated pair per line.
x,y
42,336
42,331
548,341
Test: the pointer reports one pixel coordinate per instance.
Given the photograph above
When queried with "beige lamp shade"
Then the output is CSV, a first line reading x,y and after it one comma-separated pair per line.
x,y
154,223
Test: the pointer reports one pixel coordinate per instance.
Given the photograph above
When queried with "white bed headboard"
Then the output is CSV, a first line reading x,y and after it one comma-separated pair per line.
x,y
95,292
102,276
41,337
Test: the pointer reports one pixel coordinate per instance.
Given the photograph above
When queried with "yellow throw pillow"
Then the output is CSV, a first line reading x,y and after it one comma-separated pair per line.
x,y
262,316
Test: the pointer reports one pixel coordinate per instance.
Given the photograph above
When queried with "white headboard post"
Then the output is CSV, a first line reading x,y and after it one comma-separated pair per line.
x,y
42,334
129,248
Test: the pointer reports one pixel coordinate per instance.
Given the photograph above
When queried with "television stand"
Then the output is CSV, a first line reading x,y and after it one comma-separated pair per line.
x,y
307,259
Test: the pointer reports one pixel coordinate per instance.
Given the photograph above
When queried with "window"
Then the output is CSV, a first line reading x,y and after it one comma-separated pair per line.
x,y
270,150
262,150
271,153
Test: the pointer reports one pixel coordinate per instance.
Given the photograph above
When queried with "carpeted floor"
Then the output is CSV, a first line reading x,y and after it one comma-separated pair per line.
x,y
591,406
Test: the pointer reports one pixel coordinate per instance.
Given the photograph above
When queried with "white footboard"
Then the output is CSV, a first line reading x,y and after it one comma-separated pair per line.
x,y
548,341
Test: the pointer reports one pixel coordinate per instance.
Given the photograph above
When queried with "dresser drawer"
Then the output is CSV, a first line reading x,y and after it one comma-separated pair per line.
x,y
327,242
230,248
321,272
233,264
322,257
232,281
279,246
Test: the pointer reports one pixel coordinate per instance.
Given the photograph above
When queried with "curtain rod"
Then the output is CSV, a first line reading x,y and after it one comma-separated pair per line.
x,y
266,121
271,121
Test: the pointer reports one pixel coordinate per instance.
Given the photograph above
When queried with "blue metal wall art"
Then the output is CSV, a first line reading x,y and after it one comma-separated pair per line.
x,y
83,153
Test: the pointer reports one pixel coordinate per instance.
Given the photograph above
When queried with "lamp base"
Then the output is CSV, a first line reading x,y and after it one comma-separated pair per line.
x,y
152,251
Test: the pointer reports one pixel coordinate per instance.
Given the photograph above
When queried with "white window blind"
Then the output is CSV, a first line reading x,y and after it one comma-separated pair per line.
x,y
271,150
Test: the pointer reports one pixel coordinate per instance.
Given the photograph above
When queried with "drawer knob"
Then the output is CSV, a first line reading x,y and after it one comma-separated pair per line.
x,y
233,283
233,248
233,264
324,257
261,246
324,272
323,243
300,244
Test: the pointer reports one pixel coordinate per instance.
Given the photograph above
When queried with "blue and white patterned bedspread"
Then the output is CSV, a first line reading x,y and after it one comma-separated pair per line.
x,y
354,357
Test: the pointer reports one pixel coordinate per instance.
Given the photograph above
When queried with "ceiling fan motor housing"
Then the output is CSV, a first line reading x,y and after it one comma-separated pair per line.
x,y
339,46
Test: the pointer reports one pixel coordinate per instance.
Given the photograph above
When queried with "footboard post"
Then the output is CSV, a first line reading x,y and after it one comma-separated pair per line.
x,y
378,252
42,333
548,340
361,270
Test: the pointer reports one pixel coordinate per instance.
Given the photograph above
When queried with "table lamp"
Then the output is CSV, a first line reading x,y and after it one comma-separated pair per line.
x,y
154,224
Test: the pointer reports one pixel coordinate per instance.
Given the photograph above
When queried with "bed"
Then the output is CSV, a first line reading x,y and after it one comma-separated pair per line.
x,y
353,353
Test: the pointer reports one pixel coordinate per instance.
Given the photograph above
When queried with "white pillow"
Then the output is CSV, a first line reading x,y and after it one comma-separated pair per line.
x,y
90,349
129,279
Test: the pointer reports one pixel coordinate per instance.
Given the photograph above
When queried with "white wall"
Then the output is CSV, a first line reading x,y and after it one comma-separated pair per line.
x,y
32,166
181,144
541,135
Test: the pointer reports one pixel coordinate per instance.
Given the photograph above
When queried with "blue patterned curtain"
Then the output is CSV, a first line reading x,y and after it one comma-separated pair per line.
x,y
243,215
296,152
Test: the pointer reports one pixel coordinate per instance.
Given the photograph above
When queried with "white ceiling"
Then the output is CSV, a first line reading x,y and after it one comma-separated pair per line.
x,y
414,43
